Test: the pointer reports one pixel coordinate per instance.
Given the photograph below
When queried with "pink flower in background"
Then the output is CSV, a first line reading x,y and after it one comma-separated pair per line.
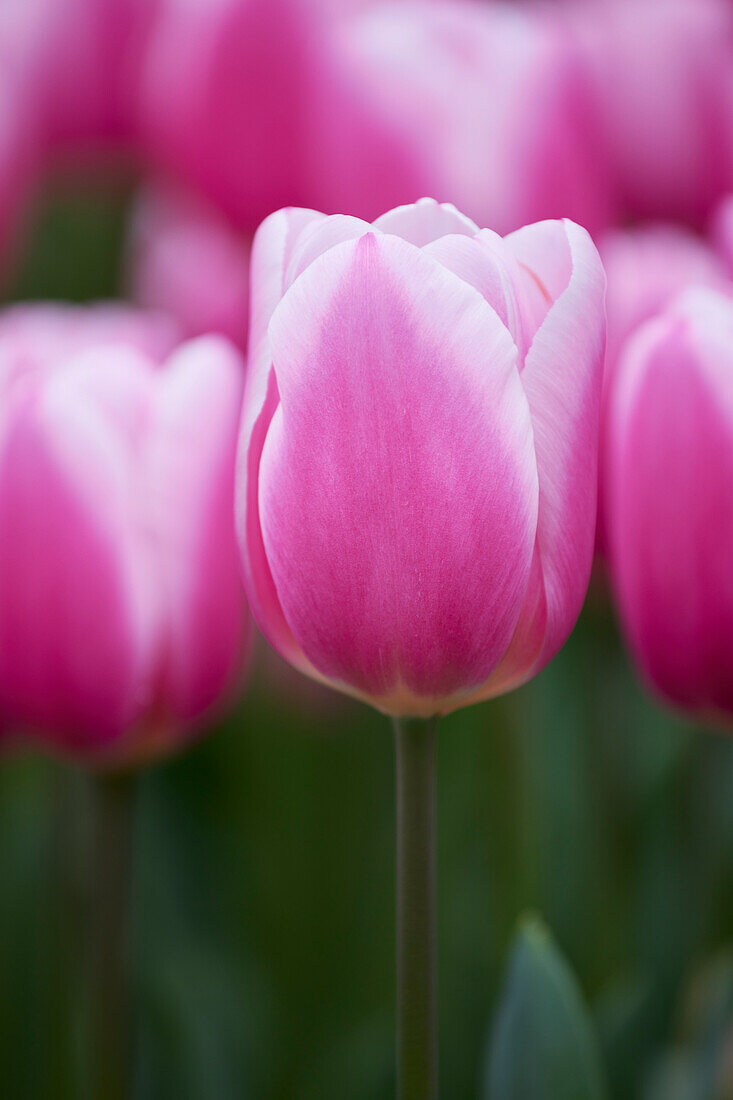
x,y
662,79
417,464
121,615
481,102
225,101
21,106
670,513
360,107
186,261
89,53
646,268
722,232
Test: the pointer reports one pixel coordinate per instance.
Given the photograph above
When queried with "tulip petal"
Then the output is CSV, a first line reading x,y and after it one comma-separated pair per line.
x,y
398,487
425,221
76,633
318,237
487,264
562,379
191,460
671,516
271,251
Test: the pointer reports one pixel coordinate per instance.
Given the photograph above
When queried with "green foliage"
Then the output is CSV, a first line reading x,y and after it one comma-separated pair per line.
x,y
543,1046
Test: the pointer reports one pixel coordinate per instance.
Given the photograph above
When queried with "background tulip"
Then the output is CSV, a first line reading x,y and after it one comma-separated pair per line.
x,y
121,620
417,466
661,80
187,262
670,463
646,269
723,232
484,103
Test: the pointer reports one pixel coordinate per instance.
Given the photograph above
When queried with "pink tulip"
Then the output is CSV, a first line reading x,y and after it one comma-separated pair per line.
x,y
186,261
482,102
723,232
236,126
417,464
20,111
662,78
646,269
89,53
296,102
670,510
121,619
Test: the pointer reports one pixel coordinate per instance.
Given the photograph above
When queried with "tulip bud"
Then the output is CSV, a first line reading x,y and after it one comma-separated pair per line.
x,y
660,78
417,464
482,102
121,618
185,261
670,508
646,269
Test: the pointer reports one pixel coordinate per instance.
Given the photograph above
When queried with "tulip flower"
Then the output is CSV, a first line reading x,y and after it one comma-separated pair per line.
x,y
723,232
121,622
360,107
187,262
670,509
660,79
235,129
646,269
416,485
121,617
484,102
416,469
88,55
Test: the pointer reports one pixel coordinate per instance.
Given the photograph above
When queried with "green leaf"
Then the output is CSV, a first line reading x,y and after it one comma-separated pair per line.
x,y
542,1046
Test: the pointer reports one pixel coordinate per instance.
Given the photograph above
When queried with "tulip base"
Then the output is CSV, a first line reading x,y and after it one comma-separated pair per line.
x,y
417,1029
109,1022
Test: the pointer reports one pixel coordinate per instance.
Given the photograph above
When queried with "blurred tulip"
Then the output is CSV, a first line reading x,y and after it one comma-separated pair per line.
x,y
187,262
722,232
236,127
670,507
89,57
20,111
661,73
646,268
482,102
417,465
121,619
296,102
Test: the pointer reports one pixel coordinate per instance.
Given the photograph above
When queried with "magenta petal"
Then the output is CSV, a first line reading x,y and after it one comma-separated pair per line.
x,y
398,486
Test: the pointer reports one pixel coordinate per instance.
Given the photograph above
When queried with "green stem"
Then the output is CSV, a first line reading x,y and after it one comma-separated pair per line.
x,y
417,1025
66,914
113,798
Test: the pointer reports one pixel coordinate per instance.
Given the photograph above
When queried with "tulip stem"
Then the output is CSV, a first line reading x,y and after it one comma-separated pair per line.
x,y
417,1023
113,799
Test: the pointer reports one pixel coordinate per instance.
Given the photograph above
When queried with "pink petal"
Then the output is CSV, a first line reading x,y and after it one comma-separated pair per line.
x,y
562,379
397,488
190,472
318,237
273,246
487,264
425,221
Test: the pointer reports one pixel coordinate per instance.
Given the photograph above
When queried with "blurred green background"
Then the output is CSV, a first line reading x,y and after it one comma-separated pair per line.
x,y
263,893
